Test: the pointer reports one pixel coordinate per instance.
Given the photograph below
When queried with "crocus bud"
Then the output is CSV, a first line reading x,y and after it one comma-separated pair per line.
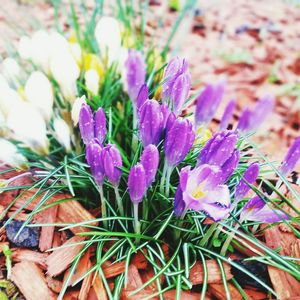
x,y
9,155
109,41
151,123
38,91
179,140
10,69
250,177
100,125
227,115
230,165
94,160
180,92
208,103
135,73
244,120
165,112
142,97
9,99
25,47
92,81
62,133
218,149
175,67
137,183
150,160
86,123
112,162
76,109
292,158
28,126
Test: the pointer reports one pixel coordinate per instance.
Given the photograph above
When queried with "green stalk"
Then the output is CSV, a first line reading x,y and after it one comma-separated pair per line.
x,y
119,201
163,177
208,234
168,177
137,224
228,240
103,206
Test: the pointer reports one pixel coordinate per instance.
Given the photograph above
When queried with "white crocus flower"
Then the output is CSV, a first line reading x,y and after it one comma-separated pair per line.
x,y
76,109
92,81
25,47
41,46
38,91
10,69
108,37
28,126
62,133
9,155
76,52
9,98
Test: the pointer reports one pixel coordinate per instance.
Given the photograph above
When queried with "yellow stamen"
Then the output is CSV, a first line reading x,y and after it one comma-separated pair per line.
x,y
198,192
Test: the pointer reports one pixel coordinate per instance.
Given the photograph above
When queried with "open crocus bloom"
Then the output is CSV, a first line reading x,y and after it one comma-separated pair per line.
x,y
257,210
200,190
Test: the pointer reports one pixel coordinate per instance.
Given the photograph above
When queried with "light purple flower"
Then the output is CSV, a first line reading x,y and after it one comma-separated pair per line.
x,y
244,120
178,142
249,177
112,162
175,67
227,115
137,183
199,189
142,97
180,92
208,103
166,113
135,73
230,165
94,160
150,161
218,149
100,125
257,210
151,123
86,123
292,157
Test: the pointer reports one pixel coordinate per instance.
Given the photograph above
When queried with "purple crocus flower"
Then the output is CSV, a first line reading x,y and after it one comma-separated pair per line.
x,y
142,97
94,160
229,166
175,67
251,120
100,125
137,183
151,123
112,162
292,157
199,189
150,160
208,103
257,210
135,73
86,124
249,177
166,113
179,140
227,115
180,92
218,149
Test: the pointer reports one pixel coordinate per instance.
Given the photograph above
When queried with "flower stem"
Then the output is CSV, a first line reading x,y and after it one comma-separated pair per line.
x,y
208,234
169,172
163,177
137,224
119,201
228,240
103,207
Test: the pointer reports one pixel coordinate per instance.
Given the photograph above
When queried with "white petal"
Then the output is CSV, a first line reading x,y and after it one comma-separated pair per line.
x,y
9,98
11,69
76,109
92,81
62,132
25,47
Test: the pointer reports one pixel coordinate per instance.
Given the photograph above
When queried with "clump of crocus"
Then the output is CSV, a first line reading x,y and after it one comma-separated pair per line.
x,y
256,209
150,123
208,103
250,120
227,115
200,189
292,158
178,142
112,163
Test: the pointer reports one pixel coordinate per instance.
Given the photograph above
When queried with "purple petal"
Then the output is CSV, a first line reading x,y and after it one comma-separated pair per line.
x,y
227,115
151,123
112,161
183,177
150,161
86,123
229,166
292,157
94,160
179,205
137,183
244,120
250,177
135,72
166,113
142,97
100,125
